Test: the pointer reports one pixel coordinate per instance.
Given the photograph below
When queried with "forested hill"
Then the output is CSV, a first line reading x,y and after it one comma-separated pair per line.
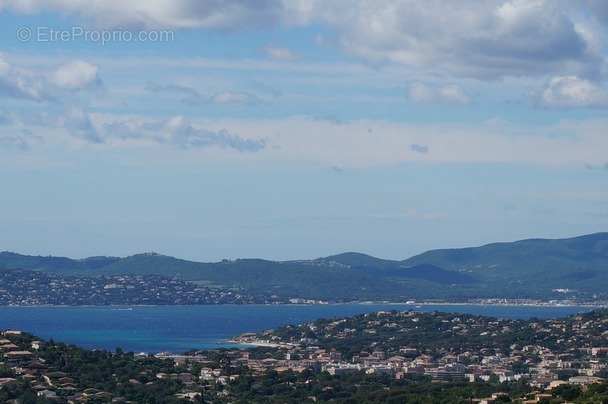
x,y
536,269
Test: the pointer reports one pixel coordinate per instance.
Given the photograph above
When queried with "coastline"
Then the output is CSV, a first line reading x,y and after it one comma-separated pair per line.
x,y
598,304
163,328
250,343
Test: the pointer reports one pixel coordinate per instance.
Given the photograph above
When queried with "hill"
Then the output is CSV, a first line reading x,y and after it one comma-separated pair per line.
x,y
9,260
533,266
533,269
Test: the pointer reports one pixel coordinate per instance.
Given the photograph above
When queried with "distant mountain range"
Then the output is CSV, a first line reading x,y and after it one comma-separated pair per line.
x,y
535,269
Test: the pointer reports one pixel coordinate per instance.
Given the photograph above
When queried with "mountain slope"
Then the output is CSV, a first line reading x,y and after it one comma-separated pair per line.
x,y
532,265
524,255
533,268
10,260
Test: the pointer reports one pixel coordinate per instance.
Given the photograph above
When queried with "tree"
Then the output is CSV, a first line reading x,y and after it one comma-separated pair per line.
x,y
567,391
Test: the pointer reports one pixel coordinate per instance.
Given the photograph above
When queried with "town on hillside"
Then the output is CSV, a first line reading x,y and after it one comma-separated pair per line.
x,y
379,357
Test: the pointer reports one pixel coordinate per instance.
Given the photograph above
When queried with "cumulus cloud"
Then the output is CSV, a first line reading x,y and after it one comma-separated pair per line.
x,y
178,131
65,88
569,92
473,38
57,84
75,75
215,14
192,96
420,92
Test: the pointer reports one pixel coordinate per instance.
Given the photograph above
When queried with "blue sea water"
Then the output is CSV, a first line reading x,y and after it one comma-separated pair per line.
x,y
177,329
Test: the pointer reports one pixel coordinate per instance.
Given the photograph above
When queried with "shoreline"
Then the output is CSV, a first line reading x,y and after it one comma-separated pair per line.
x,y
132,330
251,344
599,304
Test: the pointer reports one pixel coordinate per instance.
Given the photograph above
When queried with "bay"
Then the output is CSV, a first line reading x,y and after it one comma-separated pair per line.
x,y
177,329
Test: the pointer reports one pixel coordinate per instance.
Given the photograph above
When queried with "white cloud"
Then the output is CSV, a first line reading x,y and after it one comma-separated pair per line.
x,y
56,84
304,142
472,38
65,88
178,131
421,92
156,14
570,92
193,97
51,125
75,75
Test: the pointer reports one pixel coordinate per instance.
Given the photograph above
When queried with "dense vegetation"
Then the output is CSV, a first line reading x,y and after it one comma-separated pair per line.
x,y
314,386
564,269
120,373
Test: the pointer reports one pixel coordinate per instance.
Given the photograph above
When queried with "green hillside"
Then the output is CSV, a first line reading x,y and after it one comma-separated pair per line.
x,y
532,266
524,255
9,260
535,268
291,279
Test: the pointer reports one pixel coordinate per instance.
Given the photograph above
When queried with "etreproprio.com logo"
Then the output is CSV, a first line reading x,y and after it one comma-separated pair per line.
x,y
79,34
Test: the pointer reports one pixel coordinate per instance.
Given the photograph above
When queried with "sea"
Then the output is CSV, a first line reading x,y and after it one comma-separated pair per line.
x,y
177,329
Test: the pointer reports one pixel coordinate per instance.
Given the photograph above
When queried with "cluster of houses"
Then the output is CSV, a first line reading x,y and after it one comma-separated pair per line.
x,y
473,367
39,377
538,365
32,288
543,376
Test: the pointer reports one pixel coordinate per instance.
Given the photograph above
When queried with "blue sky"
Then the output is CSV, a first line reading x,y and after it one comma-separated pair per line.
x,y
299,129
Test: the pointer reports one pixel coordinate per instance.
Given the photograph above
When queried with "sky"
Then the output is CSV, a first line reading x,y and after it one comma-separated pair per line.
x,y
297,129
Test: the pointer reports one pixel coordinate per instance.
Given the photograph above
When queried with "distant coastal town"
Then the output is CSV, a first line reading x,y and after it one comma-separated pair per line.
x,y
34,288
